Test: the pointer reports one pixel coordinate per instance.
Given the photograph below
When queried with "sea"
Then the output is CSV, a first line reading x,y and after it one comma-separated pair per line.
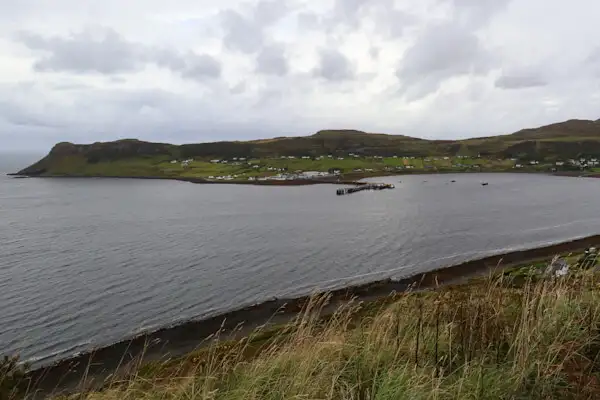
x,y
88,262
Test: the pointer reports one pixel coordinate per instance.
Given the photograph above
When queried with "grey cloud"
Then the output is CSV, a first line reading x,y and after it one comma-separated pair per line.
x,y
441,52
349,11
20,116
390,22
519,81
272,61
308,21
104,51
477,13
334,66
109,114
374,52
268,12
238,88
166,58
592,62
201,66
594,56
241,33
246,32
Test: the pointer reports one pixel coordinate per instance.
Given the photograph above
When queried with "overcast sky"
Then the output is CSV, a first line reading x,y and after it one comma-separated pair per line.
x,y
204,70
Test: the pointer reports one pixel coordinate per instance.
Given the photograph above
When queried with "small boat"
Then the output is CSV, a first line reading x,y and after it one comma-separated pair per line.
x,y
484,183
452,181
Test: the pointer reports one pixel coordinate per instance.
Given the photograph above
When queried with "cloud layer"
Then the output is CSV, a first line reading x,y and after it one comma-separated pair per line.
x,y
189,71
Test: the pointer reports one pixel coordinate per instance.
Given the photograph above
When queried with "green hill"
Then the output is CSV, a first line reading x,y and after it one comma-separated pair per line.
x,y
130,157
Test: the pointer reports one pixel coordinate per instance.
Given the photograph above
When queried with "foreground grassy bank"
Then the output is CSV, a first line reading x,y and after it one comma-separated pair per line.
x,y
510,334
490,338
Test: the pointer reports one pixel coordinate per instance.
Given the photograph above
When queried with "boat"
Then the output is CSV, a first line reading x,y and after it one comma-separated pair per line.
x,y
484,183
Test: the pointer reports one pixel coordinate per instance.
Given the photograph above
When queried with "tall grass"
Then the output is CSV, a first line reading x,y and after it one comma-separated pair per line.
x,y
483,340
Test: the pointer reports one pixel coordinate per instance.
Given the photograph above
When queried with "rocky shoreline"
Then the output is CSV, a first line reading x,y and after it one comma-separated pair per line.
x,y
347,179
175,341
295,182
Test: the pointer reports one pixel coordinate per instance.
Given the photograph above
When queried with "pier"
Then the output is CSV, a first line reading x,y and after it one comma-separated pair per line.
x,y
368,186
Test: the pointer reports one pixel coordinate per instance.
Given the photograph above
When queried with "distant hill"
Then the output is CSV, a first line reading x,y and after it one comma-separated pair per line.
x,y
568,139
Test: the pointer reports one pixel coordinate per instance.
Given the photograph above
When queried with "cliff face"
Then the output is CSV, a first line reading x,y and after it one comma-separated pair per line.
x,y
568,139
99,152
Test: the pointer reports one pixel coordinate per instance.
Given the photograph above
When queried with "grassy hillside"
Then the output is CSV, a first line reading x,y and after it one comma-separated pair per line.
x,y
131,157
515,335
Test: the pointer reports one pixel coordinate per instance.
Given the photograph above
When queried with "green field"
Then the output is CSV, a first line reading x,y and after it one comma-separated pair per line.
x,y
130,157
161,166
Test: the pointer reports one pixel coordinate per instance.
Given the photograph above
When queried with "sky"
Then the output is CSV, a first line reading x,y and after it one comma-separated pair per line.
x,y
185,71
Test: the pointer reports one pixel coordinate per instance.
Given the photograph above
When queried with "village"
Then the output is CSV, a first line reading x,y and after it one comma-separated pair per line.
x,y
327,167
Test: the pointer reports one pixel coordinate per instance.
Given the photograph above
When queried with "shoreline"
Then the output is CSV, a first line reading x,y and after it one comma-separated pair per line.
x,y
345,179
178,340
295,182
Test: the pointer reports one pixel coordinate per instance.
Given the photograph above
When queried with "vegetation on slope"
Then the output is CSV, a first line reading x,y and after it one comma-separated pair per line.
x,y
131,157
501,337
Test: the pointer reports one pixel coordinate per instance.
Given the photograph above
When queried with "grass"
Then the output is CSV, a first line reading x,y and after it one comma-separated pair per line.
x,y
160,166
490,338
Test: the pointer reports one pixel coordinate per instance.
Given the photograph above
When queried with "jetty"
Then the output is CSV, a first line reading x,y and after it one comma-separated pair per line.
x,y
368,186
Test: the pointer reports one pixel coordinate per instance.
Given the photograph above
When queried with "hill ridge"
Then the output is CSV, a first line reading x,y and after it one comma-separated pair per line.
x,y
567,139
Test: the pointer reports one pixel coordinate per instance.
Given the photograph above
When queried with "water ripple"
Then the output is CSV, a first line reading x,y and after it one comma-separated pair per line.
x,y
85,263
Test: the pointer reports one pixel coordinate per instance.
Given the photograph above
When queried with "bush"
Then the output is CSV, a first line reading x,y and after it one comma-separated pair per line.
x,y
12,378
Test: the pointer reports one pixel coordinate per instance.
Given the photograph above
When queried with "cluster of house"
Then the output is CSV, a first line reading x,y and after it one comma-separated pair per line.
x,y
387,169
283,174
580,163
298,175
234,161
184,163
583,162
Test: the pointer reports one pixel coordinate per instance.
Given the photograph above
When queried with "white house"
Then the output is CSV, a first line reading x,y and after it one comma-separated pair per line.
x,y
215,161
560,163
